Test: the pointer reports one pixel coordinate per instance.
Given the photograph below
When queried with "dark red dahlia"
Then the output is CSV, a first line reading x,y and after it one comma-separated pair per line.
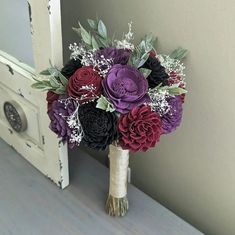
x,y
139,129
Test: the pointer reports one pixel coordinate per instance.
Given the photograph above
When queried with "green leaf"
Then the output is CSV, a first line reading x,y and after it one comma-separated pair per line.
x,y
145,72
150,39
104,104
63,79
176,90
143,59
53,82
103,41
93,24
45,72
39,85
102,29
179,53
77,30
94,43
60,90
86,37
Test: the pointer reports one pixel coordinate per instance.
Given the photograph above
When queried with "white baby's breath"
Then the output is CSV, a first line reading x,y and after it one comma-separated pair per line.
x,y
126,42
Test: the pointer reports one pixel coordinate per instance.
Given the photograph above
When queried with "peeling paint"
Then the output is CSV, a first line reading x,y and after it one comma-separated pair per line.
x,y
20,93
10,69
60,184
60,144
49,7
30,18
13,147
61,165
48,177
28,145
30,12
43,139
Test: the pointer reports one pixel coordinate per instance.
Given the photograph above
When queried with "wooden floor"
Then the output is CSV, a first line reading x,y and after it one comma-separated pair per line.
x,y
32,205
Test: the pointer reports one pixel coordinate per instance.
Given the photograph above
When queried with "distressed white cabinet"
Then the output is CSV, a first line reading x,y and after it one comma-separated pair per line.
x,y
23,112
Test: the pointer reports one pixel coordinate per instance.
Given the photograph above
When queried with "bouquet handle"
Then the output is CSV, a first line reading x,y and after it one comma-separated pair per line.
x,y
117,202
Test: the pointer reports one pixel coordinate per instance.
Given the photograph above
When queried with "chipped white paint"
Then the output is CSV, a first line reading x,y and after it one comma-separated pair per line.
x,y
37,144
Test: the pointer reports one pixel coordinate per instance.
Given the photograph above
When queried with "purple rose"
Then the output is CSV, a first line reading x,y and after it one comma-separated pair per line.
x,y
119,56
172,119
125,87
57,115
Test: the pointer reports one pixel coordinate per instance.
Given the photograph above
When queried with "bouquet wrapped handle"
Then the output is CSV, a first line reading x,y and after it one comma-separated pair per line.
x,y
117,202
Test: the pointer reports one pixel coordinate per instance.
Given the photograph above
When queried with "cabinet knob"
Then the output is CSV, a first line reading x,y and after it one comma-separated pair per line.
x,y
15,115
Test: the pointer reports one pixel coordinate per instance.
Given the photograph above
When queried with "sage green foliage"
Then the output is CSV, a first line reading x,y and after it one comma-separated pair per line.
x,y
104,104
145,72
97,36
179,53
54,81
172,90
141,51
175,90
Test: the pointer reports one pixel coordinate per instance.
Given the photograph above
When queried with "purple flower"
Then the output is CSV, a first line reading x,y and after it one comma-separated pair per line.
x,y
125,87
57,115
172,119
119,56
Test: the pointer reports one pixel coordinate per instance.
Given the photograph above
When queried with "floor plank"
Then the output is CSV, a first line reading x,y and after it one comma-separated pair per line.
x,y
32,205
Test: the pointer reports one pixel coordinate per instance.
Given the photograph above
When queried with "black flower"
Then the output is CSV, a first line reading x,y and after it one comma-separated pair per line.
x,y
99,126
69,69
158,74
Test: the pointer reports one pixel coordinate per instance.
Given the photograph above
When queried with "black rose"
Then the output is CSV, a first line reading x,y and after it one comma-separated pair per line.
x,y
69,69
158,74
99,126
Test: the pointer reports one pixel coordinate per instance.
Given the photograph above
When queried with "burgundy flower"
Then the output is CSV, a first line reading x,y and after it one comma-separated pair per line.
x,y
125,87
78,82
51,97
139,129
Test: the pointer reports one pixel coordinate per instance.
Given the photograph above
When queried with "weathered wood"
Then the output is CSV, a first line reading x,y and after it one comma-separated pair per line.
x,y
38,144
31,204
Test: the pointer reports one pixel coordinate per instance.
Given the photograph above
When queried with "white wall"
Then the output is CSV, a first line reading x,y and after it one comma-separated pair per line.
x,y
192,171
15,38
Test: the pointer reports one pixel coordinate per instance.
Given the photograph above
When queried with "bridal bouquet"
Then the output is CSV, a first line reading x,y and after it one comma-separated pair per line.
x,y
115,94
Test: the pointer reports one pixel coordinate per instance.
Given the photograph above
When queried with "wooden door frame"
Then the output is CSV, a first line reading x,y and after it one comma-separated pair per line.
x,y
51,157
45,19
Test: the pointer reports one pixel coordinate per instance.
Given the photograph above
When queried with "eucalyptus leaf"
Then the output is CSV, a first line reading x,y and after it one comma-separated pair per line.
x,y
145,72
63,79
104,104
86,36
45,72
94,43
38,85
93,24
53,71
150,38
179,53
60,90
102,29
54,82
45,82
140,63
143,59
176,91
77,30
103,41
